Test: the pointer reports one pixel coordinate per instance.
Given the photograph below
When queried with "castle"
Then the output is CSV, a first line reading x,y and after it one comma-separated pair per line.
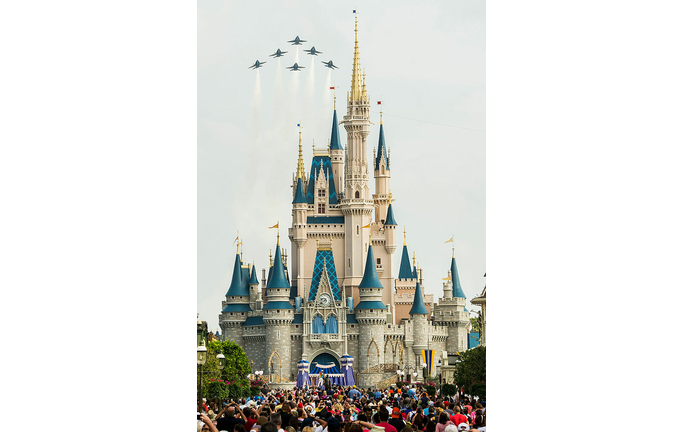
x,y
342,298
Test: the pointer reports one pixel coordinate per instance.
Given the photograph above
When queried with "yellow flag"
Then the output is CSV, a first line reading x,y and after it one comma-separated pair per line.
x,y
277,225
446,278
236,238
449,241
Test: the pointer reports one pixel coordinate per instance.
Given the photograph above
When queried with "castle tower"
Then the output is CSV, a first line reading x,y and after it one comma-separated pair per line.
x,y
357,207
236,304
381,197
336,152
254,297
298,232
278,315
371,315
451,311
418,315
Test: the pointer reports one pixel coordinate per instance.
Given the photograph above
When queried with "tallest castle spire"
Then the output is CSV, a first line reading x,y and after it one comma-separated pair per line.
x,y
356,82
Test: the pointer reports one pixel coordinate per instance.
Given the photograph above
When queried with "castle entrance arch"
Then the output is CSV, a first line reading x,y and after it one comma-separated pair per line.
x,y
325,359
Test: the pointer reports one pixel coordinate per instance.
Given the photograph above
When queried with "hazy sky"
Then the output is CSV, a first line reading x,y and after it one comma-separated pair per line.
x,y
426,60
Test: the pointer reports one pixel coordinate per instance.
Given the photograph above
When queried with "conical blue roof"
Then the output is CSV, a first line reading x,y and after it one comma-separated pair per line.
x,y
300,196
278,279
335,142
418,302
404,271
414,272
390,217
457,289
370,279
381,149
253,279
237,286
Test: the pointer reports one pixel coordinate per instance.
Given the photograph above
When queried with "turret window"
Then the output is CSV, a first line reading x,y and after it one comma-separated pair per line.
x,y
321,193
321,208
357,194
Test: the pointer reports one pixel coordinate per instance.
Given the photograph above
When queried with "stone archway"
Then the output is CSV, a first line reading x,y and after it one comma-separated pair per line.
x,y
271,370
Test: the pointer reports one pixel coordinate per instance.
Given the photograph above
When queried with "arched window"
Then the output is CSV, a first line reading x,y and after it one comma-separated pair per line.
x,y
317,326
357,194
331,325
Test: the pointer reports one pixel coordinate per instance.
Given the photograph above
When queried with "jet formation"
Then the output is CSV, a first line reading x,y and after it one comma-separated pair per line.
x,y
295,68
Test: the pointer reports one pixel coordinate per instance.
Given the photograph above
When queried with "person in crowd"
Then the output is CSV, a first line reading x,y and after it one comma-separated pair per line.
x,y
444,420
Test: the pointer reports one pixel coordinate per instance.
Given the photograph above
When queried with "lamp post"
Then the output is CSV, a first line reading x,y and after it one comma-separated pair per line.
x,y
201,359
438,365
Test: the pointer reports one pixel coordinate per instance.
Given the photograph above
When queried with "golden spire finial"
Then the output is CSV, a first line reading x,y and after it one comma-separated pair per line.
x,y
404,236
241,250
356,85
270,256
413,258
381,108
300,162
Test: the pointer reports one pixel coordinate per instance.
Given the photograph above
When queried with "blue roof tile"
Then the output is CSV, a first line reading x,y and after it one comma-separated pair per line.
x,y
351,319
237,286
324,258
381,149
253,321
278,305
298,319
231,307
299,197
390,216
457,289
404,271
371,305
335,142
370,279
326,163
278,279
418,302
253,279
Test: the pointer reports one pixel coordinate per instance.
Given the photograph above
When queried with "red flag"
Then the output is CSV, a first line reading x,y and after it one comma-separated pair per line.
x,y
379,102
331,88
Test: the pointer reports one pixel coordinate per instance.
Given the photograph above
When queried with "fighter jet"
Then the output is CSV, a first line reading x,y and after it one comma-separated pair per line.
x,y
312,51
278,53
257,65
296,41
330,65
296,67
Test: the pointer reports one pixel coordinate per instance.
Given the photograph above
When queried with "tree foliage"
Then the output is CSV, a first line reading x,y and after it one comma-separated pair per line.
x,y
471,370
449,389
217,390
236,361
430,389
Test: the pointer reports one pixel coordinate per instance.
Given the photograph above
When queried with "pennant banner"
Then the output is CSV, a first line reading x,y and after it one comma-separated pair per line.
x,y
277,225
428,357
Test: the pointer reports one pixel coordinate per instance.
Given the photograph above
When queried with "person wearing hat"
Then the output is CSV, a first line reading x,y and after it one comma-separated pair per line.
x,y
205,424
396,420
463,427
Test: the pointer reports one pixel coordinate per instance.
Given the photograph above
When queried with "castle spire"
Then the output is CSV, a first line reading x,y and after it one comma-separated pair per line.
x,y
418,302
356,83
300,163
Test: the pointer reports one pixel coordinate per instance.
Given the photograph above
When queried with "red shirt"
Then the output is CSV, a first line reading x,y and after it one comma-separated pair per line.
x,y
387,427
458,418
250,423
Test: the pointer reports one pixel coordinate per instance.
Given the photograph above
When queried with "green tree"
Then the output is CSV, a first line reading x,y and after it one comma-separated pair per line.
x,y
475,324
448,389
471,371
236,361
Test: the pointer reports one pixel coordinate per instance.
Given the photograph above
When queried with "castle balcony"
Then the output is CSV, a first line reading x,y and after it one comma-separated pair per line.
x,y
332,340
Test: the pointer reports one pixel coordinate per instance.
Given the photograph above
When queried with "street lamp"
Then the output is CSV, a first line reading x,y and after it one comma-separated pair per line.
x,y
438,365
201,359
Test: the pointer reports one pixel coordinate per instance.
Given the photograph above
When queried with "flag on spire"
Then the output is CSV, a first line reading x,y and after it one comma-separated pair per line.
x,y
277,225
450,241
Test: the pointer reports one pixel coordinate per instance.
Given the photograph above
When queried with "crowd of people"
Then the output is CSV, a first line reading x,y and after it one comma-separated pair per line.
x,y
345,409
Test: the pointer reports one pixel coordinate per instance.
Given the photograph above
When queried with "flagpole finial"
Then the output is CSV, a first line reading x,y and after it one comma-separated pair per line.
x,y
404,235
